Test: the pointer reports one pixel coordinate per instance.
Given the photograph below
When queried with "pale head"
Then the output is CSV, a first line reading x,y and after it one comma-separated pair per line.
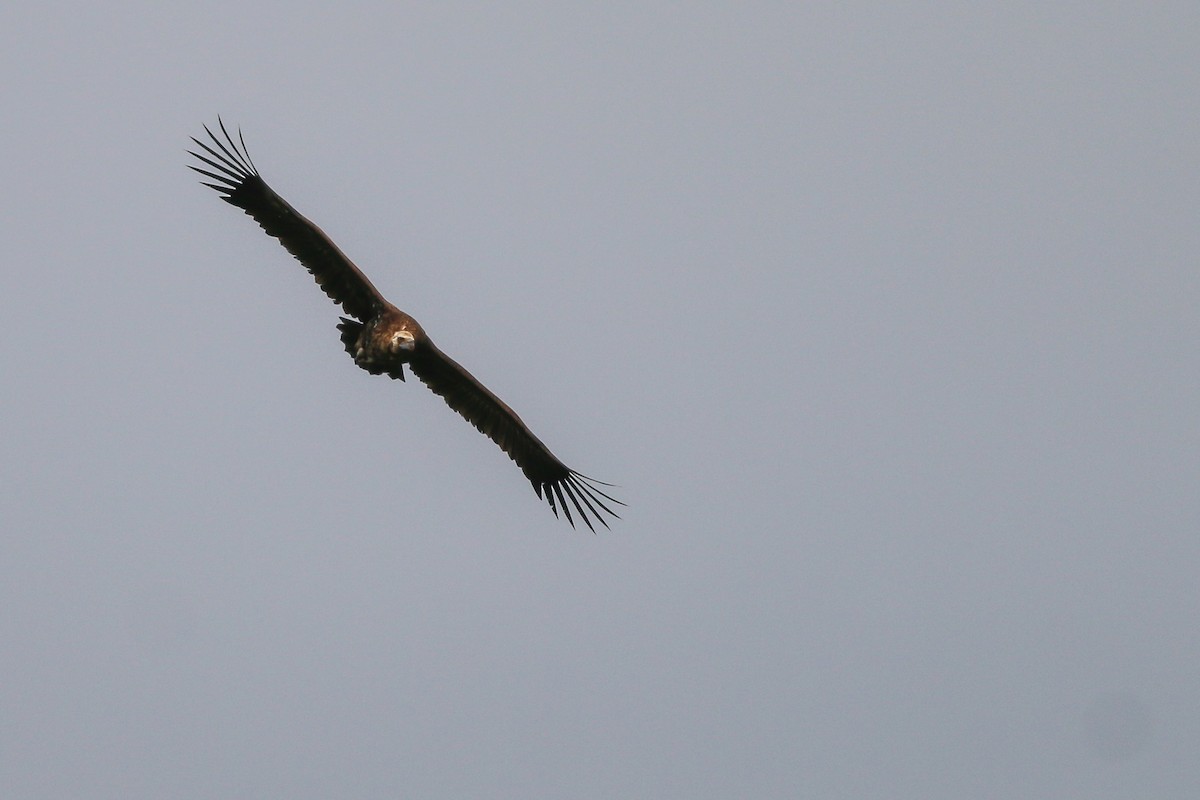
x,y
402,341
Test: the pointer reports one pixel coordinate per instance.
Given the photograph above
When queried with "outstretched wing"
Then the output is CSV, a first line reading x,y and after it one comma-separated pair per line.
x,y
550,477
234,176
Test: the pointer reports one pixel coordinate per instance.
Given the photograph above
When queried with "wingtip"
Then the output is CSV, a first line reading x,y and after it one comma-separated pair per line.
x,y
574,490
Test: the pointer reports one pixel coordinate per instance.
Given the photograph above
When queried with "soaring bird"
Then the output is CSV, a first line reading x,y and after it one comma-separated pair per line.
x,y
382,339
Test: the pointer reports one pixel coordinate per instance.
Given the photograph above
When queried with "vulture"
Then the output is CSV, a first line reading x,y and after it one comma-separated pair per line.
x,y
382,339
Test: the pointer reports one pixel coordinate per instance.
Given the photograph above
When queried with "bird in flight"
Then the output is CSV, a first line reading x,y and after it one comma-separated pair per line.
x,y
382,339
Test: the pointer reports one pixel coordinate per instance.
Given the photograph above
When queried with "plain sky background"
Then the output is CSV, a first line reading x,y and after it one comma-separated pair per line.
x,y
883,317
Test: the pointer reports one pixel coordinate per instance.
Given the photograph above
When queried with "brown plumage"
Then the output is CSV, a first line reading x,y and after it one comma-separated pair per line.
x,y
382,339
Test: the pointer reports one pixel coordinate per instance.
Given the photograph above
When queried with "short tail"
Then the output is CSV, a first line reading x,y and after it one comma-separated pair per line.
x,y
350,331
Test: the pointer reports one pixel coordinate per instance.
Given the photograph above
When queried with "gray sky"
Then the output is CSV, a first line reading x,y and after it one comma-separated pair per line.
x,y
884,319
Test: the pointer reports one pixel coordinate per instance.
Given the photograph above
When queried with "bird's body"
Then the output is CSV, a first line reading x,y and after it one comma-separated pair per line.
x,y
382,339
385,343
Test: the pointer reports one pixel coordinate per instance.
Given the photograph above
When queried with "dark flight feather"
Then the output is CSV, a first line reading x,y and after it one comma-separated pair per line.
x,y
382,339
240,185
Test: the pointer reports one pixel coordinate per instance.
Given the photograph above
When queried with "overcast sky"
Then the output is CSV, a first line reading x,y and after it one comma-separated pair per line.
x,y
883,319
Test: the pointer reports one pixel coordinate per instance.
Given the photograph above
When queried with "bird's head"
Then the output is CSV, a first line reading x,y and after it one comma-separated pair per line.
x,y
402,342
